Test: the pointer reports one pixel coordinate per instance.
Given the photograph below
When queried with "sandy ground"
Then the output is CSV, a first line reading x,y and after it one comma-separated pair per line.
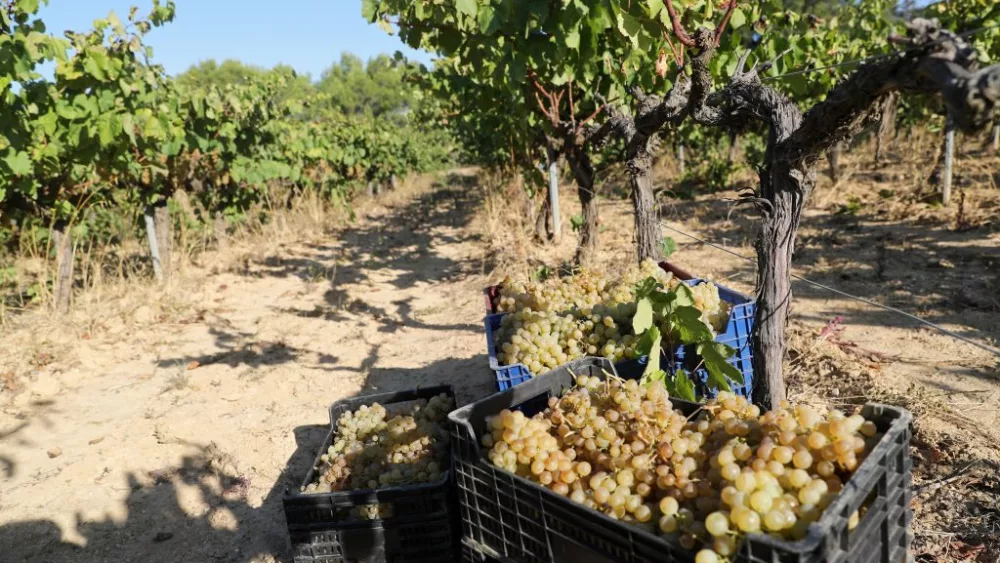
x,y
175,443
173,439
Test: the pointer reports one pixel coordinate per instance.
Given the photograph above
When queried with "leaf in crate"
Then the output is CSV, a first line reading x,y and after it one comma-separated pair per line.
x,y
683,387
720,372
646,288
684,297
649,378
653,363
690,326
643,318
645,343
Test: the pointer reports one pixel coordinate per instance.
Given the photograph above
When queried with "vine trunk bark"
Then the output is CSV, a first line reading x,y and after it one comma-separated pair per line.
x,y
62,238
775,246
648,232
583,173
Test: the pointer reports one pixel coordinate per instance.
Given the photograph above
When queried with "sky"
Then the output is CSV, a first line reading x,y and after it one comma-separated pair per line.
x,y
308,35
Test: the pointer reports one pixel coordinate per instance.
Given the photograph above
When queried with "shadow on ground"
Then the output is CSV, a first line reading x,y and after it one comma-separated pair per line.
x,y
199,510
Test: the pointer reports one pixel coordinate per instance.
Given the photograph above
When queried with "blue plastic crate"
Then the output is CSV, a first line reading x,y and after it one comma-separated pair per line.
x,y
736,335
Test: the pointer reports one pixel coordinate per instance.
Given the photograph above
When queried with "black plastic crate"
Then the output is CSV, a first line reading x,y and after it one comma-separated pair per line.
x,y
473,552
422,526
527,523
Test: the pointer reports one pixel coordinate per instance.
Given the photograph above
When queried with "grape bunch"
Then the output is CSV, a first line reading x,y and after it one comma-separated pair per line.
x,y
549,323
372,449
620,448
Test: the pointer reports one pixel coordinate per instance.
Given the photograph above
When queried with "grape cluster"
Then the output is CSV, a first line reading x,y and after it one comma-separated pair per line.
x,y
619,448
371,450
561,319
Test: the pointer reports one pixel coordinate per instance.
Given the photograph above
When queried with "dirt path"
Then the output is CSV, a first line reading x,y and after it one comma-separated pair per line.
x,y
176,443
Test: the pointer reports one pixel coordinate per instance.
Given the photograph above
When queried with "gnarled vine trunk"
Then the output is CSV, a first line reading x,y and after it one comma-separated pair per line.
x,y
583,173
788,188
648,232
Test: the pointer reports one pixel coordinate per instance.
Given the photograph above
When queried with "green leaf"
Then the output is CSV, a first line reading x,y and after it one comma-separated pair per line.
x,y
19,163
643,318
368,10
690,326
467,7
27,6
649,378
668,246
629,27
487,21
720,372
653,7
683,386
96,64
128,125
653,361
738,19
108,128
684,297
573,39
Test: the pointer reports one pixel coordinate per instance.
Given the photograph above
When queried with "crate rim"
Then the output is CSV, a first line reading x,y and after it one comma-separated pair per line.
x,y
371,495
814,535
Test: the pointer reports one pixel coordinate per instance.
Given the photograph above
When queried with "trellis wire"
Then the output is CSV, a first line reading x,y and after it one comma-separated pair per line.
x,y
935,326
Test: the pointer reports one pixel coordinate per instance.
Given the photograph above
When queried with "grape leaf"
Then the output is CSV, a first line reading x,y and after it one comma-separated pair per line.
x,y
368,10
690,326
684,296
19,163
573,39
720,372
682,386
738,19
467,7
653,377
646,288
653,361
643,318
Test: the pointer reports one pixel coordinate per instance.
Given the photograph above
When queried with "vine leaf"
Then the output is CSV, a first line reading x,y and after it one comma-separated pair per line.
x,y
19,163
690,326
720,372
467,7
682,386
643,318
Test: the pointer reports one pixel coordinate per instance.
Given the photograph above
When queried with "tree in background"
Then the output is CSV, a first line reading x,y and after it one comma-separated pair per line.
x,y
377,88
